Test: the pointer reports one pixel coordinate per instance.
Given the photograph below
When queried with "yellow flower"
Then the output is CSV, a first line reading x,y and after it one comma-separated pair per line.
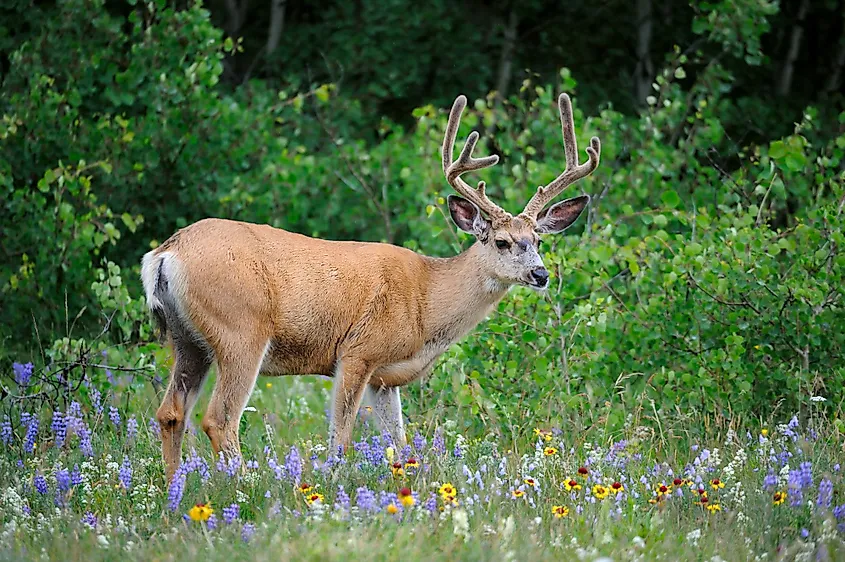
x,y
716,484
560,511
663,489
305,487
412,463
531,482
201,512
406,498
549,451
388,453
714,507
544,434
764,432
517,493
600,492
448,490
269,385
315,497
617,488
397,469
778,498
571,485
392,509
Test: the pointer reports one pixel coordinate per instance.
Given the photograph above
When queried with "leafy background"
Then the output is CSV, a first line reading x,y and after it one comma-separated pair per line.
x,y
707,276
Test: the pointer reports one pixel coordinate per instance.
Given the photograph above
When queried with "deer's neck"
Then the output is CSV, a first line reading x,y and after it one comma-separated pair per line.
x,y
459,296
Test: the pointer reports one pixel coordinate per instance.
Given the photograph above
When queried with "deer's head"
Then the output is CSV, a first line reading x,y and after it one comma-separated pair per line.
x,y
509,243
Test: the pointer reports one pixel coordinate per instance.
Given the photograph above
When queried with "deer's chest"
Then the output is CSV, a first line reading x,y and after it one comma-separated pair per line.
x,y
415,367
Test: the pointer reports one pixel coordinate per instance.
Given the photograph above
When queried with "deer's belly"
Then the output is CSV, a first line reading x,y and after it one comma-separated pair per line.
x,y
409,370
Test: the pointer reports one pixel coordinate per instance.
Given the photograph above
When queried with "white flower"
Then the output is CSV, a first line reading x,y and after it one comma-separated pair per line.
x,y
818,399
460,523
102,541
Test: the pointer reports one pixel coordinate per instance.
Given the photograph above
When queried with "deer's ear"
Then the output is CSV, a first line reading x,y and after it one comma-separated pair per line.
x,y
560,216
467,215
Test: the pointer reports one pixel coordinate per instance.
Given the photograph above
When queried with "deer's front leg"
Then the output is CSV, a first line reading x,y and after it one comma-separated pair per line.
x,y
387,410
349,385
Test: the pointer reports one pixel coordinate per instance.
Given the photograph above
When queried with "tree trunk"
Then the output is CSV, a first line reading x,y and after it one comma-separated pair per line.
x,y
277,22
833,81
785,84
644,73
506,57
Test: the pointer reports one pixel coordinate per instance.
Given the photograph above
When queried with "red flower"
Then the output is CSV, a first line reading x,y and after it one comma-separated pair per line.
x,y
583,471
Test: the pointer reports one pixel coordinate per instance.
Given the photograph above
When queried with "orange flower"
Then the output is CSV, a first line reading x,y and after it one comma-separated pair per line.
x,y
583,471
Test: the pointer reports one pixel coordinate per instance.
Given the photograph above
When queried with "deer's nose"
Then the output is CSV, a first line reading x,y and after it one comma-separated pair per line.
x,y
540,276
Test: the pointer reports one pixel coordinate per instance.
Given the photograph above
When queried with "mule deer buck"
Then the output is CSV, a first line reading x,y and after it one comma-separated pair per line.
x,y
257,299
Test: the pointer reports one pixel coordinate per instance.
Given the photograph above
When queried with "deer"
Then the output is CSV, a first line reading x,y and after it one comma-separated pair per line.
x,y
373,316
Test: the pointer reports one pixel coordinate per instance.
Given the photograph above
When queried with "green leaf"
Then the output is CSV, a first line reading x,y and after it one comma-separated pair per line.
x,y
670,199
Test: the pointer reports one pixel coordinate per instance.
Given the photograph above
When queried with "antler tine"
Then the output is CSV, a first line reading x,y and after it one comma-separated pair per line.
x,y
574,171
465,162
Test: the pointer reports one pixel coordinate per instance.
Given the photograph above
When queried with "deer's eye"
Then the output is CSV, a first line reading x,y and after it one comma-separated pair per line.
x,y
503,244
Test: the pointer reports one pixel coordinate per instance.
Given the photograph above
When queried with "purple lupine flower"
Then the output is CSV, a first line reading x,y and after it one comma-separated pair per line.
x,y
252,464
431,503
110,377
231,512
825,494
419,442
76,476
366,500
247,532
85,441
125,474
278,469
231,466
805,533
31,434
457,452
839,512
40,484
74,410
131,428
438,444
23,373
63,480
805,474
341,498
771,481
154,427
97,401
176,490
59,428
6,431
114,416
89,519
293,465
212,522
198,464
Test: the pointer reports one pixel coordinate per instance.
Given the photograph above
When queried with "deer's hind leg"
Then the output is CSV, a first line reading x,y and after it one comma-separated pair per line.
x,y
387,410
190,369
238,368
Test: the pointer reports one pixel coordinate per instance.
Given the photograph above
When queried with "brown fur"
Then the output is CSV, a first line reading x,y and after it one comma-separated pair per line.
x,y
257,299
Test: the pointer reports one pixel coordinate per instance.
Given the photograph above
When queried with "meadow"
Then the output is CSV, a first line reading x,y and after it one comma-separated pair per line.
x,y
88,483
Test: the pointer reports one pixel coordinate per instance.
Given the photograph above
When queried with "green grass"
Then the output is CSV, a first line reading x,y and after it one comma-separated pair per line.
x,y
488,522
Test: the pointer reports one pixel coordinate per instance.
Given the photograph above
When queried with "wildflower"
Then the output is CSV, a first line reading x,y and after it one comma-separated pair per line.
x,y
125,475
176,490
418,441
114,416
560,511
131,427
392,509
397,470
406,497
305,487
438,444
717,484
531,482
664,489
231,512
31,434
517,493
714,507
40,484
549,451
59,428
6,431
571,485
617,488
583,471
23,373
293,465
341,498
89,520
543,434
778,498
365,499
63,480
389,453
201,512
412,463
825,494
600,492
764,432
448,490
702,498
314,497
247,531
